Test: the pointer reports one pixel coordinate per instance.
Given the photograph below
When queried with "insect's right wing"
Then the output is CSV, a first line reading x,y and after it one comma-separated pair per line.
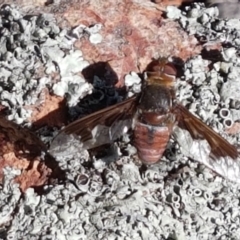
x,y
99,128
199,142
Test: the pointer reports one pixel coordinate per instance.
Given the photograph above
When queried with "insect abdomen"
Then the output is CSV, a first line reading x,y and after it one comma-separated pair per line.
x,y
150,141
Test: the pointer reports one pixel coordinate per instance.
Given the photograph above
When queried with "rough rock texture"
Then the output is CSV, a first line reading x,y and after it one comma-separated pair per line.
x,y
178,198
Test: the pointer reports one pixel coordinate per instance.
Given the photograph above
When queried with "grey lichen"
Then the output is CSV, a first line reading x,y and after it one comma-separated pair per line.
x,y
29,44
175,199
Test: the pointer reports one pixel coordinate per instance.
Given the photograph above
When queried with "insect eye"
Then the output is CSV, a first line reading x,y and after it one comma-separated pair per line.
x,y
169,69
154,66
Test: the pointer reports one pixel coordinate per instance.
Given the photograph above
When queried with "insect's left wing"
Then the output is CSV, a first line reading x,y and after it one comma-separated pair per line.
x,y
101,127
201,143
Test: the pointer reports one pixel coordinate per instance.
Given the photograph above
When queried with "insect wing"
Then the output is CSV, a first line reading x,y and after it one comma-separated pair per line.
x,y
199,130
201,143
98,128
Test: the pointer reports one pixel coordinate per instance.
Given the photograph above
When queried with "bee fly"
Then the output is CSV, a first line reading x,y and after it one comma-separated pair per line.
x,y
153,115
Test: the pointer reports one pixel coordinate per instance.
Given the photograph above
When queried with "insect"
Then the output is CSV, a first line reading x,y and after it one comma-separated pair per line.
x,y
154,115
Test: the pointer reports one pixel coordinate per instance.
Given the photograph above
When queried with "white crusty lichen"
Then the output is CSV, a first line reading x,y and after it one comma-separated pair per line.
x,y
133,83
177,198
129,204
29,45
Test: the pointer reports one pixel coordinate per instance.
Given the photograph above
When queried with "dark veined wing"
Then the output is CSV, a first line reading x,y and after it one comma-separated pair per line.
x,y
201,143
199,130
101,127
